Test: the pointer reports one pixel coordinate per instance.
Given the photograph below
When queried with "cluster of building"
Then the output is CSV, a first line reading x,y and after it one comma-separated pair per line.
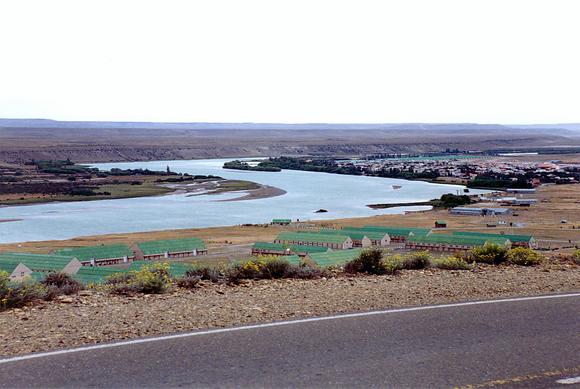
x,y
467,167
336,246
91,262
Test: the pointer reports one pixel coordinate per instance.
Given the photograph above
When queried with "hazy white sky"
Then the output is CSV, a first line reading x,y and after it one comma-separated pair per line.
x,y
508,61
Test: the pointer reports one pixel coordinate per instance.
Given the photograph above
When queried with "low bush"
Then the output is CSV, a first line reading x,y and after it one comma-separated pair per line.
x,y
490,253
452,263
150,279
188,282
576,256
275,268
18,294
306,272
416,260
369,261
57,284
205,273
271,267
393,264
523,256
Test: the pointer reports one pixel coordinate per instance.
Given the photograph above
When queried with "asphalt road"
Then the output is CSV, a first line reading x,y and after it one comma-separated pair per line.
x,y
523,343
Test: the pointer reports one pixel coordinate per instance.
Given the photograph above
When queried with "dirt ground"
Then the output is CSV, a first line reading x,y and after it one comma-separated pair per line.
x,y
96,317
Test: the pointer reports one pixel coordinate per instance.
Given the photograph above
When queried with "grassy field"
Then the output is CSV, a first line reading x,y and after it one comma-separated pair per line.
x,y
543,221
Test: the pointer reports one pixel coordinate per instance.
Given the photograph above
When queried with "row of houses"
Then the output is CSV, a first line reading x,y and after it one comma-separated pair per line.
x,y
469,211
467,240
304,243
105,255
77,259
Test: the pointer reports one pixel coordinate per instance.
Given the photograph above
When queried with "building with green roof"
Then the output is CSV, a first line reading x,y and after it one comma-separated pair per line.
x,y
398,234
100,255
43,262
334,258
281,222
267,248
359,239
450,242
332,241
172,248
517,240
358,235
16,271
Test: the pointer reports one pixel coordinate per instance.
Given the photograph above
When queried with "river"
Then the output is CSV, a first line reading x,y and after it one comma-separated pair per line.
x,y
343,196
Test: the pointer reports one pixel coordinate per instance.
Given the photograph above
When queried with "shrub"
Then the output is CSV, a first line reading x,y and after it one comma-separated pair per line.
x,y
452,263
523,256
576,256
488,253
150,279
271,267
18,294
204,273
118,278
274,268
188,282
306,272
393,264
57,284
369,261
416,260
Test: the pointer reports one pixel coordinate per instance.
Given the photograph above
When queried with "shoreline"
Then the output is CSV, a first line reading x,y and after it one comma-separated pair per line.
x,y
263,192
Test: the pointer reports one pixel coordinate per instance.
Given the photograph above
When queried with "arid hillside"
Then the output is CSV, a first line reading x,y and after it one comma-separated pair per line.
x,y
86,141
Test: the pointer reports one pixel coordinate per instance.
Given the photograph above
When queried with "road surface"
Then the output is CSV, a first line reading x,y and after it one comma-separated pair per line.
x,y
520,342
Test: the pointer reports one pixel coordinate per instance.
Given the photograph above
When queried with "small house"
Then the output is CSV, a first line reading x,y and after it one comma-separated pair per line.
x,y
440,224
16,271
281,222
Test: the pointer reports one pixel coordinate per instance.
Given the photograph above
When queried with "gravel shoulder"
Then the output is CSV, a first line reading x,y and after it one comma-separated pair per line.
x,y
94,317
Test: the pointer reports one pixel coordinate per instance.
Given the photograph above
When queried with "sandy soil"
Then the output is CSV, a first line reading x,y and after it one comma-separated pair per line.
x,y
263,192
95,317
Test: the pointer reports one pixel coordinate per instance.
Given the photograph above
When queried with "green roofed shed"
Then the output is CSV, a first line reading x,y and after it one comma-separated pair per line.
x,y
281,221
187,246
334,258
457,240
517,240
314,237
267,247
88,253
44,262
397,231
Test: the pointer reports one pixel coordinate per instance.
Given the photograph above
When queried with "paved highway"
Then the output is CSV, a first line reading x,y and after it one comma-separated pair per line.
x,y
521,342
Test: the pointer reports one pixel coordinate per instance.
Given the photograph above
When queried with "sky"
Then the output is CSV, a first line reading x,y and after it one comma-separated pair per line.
x,y
295,61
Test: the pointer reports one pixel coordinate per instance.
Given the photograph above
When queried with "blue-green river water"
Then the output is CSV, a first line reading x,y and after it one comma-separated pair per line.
x,y
343,196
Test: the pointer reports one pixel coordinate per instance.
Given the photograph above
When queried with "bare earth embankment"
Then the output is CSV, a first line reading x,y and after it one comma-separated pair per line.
x,y
95,317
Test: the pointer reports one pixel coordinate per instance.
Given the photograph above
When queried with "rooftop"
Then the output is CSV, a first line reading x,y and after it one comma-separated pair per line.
x,y
171,246
97,252
312,237
44,262
334,258
458,240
